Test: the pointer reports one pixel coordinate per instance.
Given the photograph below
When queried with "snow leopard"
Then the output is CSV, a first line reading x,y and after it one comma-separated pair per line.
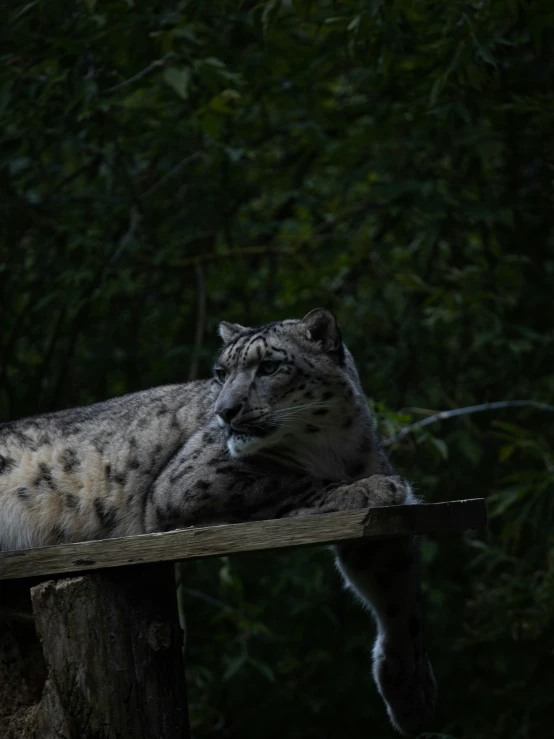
x,y
281,429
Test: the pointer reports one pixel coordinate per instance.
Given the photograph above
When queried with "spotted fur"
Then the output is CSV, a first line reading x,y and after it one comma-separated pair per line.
x,y
283,429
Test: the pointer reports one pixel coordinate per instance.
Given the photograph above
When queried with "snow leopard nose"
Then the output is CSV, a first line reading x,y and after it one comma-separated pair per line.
x,y
227,414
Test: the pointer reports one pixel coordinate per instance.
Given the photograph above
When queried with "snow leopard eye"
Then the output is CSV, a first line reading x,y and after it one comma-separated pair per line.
x,y
220,373
268,367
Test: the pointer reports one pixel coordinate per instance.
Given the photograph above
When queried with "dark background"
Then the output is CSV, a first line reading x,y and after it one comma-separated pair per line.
x,y
164,166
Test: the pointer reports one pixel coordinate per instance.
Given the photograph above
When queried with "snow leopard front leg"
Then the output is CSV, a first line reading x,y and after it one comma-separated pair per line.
x,y
203,485
385,576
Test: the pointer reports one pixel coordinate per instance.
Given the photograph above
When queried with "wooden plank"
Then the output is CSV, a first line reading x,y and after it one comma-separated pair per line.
x,y
213,541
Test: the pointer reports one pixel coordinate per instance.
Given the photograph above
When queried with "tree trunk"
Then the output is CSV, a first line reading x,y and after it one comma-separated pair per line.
x,y
113,651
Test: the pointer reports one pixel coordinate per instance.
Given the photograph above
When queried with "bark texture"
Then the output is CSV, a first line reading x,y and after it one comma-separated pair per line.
x,y
113,652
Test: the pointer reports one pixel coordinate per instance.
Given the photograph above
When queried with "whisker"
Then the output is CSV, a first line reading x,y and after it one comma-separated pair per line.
x,y
297,409
305,405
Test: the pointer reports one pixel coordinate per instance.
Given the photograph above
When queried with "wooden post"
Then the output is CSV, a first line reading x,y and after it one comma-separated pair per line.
x,y
113,650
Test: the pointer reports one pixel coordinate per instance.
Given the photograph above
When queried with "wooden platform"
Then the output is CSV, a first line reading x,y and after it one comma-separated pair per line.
x,y
117,628
212,541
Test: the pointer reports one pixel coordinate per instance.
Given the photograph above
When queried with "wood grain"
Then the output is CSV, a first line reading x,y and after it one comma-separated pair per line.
x,y
213,541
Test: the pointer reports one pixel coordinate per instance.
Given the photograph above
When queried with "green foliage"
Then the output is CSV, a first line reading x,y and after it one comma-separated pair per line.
x,y
167,165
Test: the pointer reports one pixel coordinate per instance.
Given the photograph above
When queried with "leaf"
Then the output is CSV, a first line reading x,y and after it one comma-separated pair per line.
x,y
472,450
215,73
179,79
337,22
429,550
486,55
506,452
500,502
5,95
440,446
270,13
235,155
234,666
263,668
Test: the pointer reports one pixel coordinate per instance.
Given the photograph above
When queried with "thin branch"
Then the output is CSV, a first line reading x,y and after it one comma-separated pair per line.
x,y
9,345
11,614
206,598
79,171
173,171
227,254
87,300
200,321
49,353
423,411
443,415
150,68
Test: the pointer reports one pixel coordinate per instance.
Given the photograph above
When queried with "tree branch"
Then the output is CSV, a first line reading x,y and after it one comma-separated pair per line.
x,y
246,251
200,320
443,415
90,293
173,171
156,64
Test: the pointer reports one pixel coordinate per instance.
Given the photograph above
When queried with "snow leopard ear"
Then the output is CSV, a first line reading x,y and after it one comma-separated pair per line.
x,y
322,327
228,331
